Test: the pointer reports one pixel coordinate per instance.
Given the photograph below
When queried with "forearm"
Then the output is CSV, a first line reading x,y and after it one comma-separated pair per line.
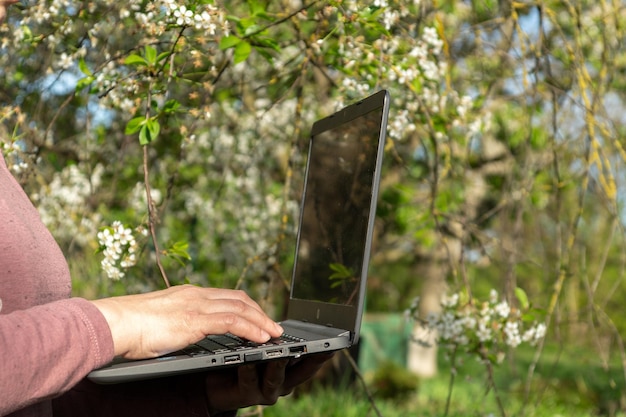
x,y
48,349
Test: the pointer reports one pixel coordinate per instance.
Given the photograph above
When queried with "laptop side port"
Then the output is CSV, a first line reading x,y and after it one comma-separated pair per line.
x,y
274,353
232,358
297,350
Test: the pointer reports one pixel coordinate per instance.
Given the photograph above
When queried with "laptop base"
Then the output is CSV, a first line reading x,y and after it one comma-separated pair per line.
x,y
220,350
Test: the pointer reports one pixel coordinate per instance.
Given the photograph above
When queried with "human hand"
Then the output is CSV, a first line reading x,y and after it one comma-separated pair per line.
x,y
152,324
259,384
3,8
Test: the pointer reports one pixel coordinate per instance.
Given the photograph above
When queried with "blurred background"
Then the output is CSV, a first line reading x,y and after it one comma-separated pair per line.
x,y
164,139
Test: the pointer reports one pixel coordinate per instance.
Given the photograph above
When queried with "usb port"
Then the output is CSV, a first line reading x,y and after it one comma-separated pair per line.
x,y
232,358
275,353
297,349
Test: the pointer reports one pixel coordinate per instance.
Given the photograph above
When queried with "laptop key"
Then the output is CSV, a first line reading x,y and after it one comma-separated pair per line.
x,y
195,350
211,345
290,338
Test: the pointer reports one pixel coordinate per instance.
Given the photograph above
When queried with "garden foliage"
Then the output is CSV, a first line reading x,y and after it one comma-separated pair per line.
x,y
164,141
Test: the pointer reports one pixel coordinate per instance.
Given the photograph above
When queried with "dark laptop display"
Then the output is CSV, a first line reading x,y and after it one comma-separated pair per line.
x,y
338,210
332,253
333,231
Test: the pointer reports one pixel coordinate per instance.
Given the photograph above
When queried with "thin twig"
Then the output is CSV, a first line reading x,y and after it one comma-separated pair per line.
x,y
492,384
152,215
451,383
359,375
281,20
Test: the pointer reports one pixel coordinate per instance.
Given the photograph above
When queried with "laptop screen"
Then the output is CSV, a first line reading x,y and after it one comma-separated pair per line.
x,y
335,213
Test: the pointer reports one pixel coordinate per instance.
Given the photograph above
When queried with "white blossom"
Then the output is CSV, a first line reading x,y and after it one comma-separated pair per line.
x,y
476,326
118,246
511,331
502,309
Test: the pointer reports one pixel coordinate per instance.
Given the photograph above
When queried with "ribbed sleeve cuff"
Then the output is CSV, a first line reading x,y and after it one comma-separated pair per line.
x,y
96,326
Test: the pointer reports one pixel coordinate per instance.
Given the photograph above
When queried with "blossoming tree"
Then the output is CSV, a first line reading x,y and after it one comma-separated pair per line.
x,y
165,140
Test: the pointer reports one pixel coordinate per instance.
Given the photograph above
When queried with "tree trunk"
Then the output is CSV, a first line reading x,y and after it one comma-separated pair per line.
x,y
422,350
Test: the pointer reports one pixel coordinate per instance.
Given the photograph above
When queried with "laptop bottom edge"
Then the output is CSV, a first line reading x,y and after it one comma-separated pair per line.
x,y
306,341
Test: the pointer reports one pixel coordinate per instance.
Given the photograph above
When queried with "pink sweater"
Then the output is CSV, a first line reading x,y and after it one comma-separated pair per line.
x,y
50,342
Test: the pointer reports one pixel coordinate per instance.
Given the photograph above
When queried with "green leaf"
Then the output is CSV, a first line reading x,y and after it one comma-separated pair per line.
x,y
171,106
181,249
27,33
149,131
162,56
242,52
151,54
256,7
341,271
233,18
135,59
229,42
155,128
134,125
144,136
522,297
83,83
82,65
265,15
268,43
179,252
246,23
252,29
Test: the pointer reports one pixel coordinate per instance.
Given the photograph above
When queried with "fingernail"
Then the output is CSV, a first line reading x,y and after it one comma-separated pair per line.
x,y
265,335
279,328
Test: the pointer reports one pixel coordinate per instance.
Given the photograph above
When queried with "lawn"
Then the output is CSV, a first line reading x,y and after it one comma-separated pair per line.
x,y
566,383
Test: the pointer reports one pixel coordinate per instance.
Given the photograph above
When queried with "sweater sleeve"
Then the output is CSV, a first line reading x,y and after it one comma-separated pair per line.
x,y
48,349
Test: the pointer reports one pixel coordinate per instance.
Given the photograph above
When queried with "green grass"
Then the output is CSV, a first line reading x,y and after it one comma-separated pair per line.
x,y
568,383
468,401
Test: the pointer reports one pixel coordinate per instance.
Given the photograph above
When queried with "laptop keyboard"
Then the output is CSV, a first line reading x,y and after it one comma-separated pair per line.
x,y
214,344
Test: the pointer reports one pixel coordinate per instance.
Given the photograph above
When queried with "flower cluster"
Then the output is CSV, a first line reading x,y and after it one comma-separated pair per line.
x,y
12,152
414,64
11,147
208,19
63,21
119,247
63,203
486,328
245,221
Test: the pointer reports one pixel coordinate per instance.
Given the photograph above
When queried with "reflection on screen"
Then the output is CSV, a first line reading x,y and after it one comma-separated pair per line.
x,y
336,212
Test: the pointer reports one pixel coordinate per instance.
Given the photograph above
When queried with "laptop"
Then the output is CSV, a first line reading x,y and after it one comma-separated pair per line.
x,y
332,252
